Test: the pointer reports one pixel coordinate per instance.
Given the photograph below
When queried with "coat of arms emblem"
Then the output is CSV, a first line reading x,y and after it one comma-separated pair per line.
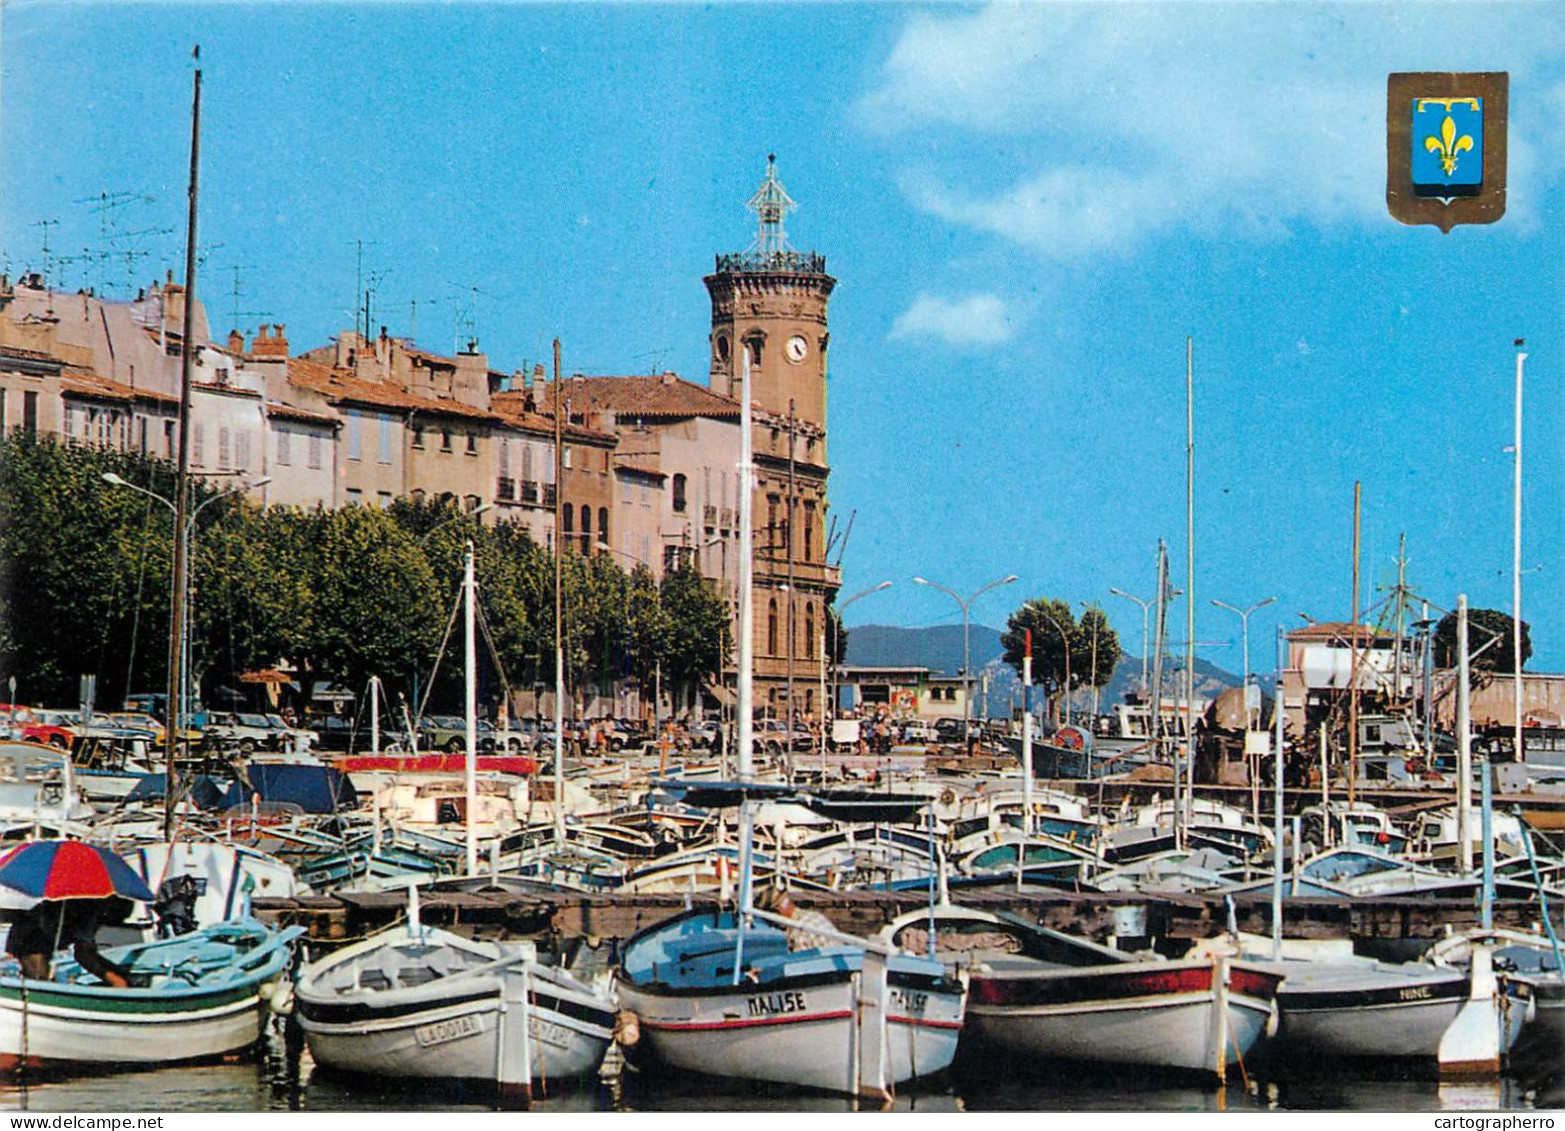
x,y
1445,148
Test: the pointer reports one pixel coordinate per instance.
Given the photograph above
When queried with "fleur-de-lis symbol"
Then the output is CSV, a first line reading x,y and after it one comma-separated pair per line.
x,y
1448,145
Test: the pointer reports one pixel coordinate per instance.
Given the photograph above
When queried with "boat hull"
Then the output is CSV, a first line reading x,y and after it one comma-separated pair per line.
x,y
428,1005
1402,1015
64,1023
60,1033
803,1035
1157,1015
459,1040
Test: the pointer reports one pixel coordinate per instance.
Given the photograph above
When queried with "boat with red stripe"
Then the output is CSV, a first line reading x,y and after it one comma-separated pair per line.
x,y
1042,994
838,1017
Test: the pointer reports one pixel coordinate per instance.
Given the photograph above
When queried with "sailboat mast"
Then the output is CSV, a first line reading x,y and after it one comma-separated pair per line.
x,y
1189,712
470,685
1516,564
559,610
175,716
745,662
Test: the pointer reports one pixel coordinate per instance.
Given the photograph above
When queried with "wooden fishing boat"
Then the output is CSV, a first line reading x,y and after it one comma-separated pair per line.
x,y
1344,1006
1527,959
194,997
845,1018
1038,994
416,1001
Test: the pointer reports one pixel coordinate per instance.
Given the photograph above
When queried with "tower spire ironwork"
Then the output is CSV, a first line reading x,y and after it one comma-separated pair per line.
x,y
771,205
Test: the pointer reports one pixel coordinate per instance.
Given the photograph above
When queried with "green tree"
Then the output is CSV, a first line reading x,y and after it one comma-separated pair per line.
x,y
84,570
378,608
1489,636
1061,643
697,644
253,596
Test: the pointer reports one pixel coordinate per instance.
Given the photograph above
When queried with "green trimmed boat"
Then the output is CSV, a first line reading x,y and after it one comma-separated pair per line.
x,y
193,997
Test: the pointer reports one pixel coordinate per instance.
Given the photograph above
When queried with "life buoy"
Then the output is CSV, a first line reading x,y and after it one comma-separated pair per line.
x,y
1071,738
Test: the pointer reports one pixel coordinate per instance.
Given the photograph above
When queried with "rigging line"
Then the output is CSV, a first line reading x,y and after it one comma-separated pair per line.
x,y
446,639
141,575
494,653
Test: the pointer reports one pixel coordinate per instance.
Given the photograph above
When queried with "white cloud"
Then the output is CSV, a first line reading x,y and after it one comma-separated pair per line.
x,y
1125,120
977,320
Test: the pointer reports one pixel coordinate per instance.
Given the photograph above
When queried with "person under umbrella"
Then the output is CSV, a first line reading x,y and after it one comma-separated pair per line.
x,y
80,888
52,925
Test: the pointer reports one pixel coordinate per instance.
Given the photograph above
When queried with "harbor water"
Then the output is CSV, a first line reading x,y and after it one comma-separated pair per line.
x,y
279,1081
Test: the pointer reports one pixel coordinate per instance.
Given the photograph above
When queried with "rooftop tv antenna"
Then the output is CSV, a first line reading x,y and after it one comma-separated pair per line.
x,y
48,262
236,292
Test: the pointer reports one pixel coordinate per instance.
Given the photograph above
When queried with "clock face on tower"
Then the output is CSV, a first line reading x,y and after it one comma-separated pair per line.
x,y
797,347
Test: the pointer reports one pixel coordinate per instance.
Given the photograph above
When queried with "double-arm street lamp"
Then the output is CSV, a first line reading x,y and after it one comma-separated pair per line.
x,y
189,537
1066,640
174,717
1244,623
832,657
1146,607
967,650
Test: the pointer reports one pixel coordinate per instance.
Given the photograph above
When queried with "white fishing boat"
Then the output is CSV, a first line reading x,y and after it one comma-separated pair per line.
x,y
40,793
194,997
1336,1004
1154,828
416,1001
1038,994
844,1018
1526,959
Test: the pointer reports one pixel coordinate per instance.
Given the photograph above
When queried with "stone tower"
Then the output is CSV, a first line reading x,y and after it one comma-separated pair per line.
x,y
770,301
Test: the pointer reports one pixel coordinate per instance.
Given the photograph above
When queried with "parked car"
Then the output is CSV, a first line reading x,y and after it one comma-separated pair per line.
x,y
449,732
245,733
339,733
920,731
773,735
950,730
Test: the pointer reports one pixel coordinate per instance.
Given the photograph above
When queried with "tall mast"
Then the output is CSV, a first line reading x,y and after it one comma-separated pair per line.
x,y
1189,716
745,675
470,697
175,721
559,609
1516,563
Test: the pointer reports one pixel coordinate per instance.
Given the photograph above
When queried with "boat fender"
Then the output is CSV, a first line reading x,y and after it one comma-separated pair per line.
x,y
627,1029
279,996
1273,1019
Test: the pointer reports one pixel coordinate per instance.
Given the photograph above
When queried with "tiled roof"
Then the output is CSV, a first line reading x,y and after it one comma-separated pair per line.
x,y
289,412
512,407
643,463
28,354
664,395
1337,630
343,386
85,383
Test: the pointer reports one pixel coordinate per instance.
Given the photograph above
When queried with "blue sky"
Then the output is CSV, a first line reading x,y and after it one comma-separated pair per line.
x,y
1028,207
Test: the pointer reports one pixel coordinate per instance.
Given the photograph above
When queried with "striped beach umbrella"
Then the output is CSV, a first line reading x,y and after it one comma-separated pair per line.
x,y
69,869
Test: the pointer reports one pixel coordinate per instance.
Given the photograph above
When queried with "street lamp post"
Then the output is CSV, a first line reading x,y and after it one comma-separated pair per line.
x,y
967,650
1094,676
1145,608
184,543
832,659
1244,625
1066,640
635,562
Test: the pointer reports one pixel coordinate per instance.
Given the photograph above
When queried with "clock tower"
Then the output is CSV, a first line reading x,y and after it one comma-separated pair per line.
x,y
770,301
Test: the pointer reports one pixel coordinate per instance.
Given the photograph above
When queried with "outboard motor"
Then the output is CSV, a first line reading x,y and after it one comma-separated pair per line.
x,y
175,906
